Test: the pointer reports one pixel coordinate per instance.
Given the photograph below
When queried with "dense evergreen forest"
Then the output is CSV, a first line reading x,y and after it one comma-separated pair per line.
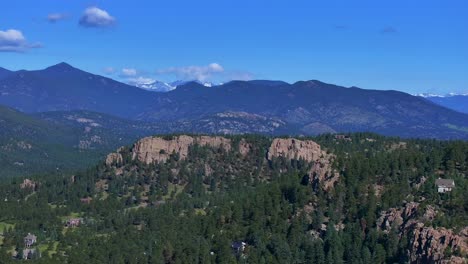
x,y
243,209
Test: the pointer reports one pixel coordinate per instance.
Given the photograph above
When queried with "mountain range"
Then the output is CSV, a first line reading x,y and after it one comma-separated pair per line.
x,y
272,107
458,102
159,86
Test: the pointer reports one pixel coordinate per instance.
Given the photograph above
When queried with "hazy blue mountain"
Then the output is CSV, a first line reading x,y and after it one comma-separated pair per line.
x,y
456,102
4,72
62,87
315,107
305,107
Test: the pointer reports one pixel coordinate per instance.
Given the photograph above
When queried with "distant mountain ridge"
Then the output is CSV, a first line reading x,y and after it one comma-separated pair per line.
x,y
4,72
62,88
159,86
260,106
457,102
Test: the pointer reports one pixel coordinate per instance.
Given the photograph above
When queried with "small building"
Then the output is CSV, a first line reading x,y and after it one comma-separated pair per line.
x,y
343,137
239,247
445,185
74,222
29,240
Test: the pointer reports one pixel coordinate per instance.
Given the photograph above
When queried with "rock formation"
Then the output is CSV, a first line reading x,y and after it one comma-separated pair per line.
x,y
291,148
158,149
427,244
400,218
244,147
114,158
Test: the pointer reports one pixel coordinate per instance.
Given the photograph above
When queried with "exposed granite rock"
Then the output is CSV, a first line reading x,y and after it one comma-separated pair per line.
x,y
322,173
400,218
113,158
158,149
428,245
291,148
244,147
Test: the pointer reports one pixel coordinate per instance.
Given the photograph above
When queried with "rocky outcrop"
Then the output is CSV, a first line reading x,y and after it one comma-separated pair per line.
x,y
400,218
321,172
28,184
114,158
158,149
292,148
429,245
244,147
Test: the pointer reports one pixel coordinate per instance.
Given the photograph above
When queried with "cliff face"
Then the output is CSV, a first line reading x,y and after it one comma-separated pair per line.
x,y
429,245
158,149
426,244
291,148
152,149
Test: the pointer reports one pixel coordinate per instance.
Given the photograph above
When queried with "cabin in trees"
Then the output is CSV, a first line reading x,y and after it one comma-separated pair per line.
x,y
343,137
239,247
445,185
29,240
74,222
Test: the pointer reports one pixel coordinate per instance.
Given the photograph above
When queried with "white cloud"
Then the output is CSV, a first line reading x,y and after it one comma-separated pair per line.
x,y
109,70
201,73
129,72
95,17
240,76
140,81
55,17
13,40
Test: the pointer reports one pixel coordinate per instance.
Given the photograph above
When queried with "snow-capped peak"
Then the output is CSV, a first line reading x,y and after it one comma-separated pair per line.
x,y
158,86
429,95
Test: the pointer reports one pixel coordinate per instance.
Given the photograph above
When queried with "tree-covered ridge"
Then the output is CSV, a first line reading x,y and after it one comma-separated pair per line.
x,y
178,211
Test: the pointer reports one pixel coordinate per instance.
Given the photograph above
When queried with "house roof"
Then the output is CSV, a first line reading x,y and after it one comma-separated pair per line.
x,y
445,183
30,237
238,244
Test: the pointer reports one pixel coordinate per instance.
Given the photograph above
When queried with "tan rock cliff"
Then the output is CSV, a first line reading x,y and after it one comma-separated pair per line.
x,y
152,149
427,244
291,148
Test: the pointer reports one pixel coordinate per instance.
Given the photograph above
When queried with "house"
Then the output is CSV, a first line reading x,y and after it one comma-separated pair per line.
x,y
29,240
343,137
239,246
445,185
73,222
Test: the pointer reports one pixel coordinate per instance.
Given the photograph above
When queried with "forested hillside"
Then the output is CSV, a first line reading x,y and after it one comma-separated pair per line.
x,y
359,198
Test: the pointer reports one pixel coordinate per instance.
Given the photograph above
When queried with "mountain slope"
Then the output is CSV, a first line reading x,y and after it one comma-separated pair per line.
x,y
248,199
65,140
306,107
313,104
4,72
30,145
62,87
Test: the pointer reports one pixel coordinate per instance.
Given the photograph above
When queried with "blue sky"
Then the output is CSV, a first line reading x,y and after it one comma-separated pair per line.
x,y
413,46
